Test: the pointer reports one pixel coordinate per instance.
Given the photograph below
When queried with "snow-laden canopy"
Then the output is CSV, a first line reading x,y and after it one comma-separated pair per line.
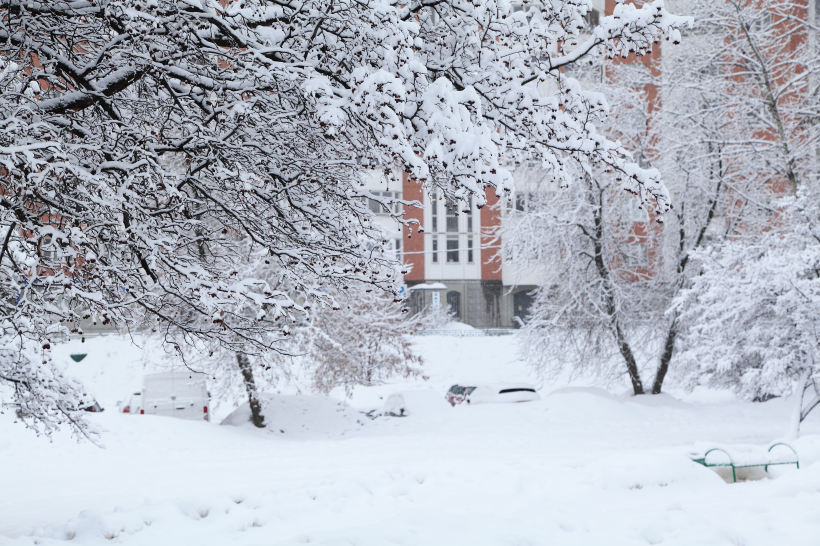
x,y
150,148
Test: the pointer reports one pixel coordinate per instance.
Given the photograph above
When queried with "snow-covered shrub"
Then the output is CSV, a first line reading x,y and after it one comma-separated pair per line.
x,y
753,314
363,342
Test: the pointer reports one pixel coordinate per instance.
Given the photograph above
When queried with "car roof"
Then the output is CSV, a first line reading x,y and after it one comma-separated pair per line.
x,y
495,386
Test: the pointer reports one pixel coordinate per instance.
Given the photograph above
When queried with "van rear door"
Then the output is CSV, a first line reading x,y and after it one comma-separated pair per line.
x,y
180,395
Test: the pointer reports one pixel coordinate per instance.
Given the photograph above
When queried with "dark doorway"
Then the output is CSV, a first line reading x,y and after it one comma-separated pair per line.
x,y
454,304
522,301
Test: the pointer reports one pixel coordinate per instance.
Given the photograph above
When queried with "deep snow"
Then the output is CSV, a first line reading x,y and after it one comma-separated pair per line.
x,y
581,466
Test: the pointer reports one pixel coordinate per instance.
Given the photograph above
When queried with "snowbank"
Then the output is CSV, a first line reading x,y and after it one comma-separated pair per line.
x,y
414,403
580,467
300,416
458,326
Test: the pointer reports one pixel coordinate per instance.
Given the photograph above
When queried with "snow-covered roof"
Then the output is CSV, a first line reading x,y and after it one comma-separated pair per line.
x,y
431,286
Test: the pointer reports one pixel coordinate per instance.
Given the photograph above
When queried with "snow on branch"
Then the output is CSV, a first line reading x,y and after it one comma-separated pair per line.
x,y
149,147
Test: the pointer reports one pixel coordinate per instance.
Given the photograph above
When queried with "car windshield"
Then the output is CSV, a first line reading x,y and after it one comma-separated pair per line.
x,y
504,391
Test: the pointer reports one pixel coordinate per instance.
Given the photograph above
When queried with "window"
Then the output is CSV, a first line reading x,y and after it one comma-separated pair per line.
x,y
529,9
429,15
520,202
469,250
46,249
434,211
397,248
763,22
522,303
452,218
454,304
636,254
592,18
635,211
378,208
435,249
452,250
374,206
470,215
643,161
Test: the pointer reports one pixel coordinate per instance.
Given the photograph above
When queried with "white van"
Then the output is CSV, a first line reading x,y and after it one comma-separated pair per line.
x,y
180,395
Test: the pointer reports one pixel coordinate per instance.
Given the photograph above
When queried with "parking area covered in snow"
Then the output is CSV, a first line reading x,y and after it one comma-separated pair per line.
x,y
580,466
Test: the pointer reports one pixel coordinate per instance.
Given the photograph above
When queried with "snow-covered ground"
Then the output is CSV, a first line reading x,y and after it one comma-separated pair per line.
x,y
579,467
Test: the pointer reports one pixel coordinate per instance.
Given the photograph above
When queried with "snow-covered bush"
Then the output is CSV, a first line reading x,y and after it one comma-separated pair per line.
x,y
364,342
753,314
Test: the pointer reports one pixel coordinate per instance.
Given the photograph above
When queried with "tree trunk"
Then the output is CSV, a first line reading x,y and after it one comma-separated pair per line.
x,y
629,358
257,418
797,406
666,357
611,309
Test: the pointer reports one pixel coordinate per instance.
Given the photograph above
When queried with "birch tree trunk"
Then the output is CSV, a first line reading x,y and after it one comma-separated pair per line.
x,y
797,406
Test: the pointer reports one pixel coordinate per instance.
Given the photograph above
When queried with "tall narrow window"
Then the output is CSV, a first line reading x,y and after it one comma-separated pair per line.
x,y
520,201
470,215
635,254
592,18
46,249
434,212
397,247
452,250
396,206
375,206
435,248
454,304
469,249
452,218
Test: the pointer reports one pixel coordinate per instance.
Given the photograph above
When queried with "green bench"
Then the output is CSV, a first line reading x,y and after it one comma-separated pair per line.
x,y
747,461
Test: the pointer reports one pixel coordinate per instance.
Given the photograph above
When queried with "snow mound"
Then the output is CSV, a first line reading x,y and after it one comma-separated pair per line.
x,y
639,470
414,402
458,326
299,416
808,447
394,406
653,400
583,390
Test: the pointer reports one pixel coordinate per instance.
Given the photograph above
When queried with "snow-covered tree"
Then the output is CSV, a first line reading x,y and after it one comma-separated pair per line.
x,y
593,249
734,127
740,128
753,314
340,338
365,342
139,137
595,300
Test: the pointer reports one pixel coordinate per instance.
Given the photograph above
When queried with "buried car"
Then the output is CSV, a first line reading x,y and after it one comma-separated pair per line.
x,y
492,393
411,402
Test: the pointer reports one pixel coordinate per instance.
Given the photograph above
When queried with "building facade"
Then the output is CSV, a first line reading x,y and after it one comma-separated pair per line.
x,y
454,263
